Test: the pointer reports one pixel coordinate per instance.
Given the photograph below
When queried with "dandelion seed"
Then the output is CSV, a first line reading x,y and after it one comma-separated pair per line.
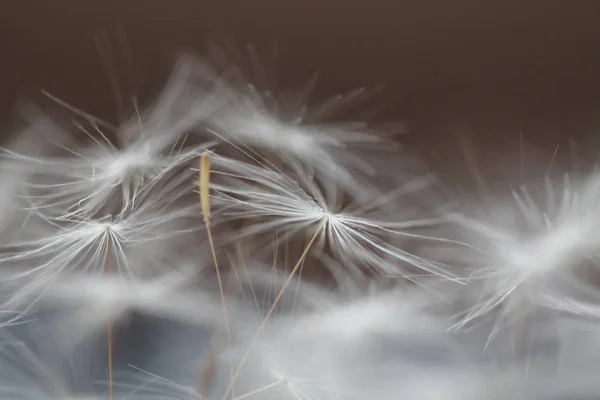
x,y
82,245
87,180
297,202
531,254
246,120
87,183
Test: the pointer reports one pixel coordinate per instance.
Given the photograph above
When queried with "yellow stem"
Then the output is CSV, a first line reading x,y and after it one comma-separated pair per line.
x,y
204,182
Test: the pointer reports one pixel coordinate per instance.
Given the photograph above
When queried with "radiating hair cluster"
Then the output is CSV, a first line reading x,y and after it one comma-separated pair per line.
x,y
213,246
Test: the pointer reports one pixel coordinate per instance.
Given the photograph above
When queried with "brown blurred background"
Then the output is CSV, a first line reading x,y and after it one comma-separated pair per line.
x,y
497,70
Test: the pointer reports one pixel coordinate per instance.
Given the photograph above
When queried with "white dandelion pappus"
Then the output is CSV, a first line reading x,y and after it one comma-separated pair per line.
x,y
29,140
134,243
298,201
349,310
328,344
151,147
93,301
532,254
252,120
391,313
93,179
258,283
309,355
454,382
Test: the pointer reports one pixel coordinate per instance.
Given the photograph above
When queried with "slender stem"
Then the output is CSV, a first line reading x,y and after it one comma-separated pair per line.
x,y
263,324
221,291
204,182
109,325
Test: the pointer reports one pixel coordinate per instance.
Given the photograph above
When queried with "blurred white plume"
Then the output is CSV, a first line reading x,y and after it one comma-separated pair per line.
x,y
227,242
